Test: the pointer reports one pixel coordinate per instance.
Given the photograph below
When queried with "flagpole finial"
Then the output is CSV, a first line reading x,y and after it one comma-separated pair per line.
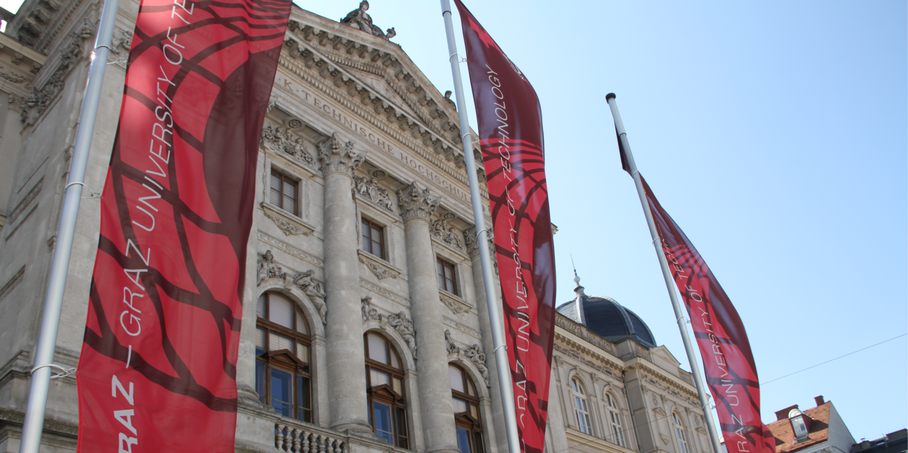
x,y
610,96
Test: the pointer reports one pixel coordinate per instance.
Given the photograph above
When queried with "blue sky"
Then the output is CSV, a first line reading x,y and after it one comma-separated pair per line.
x,y
775,135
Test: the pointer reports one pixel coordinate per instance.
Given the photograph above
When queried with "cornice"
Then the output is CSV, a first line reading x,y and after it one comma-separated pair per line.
x,y
654,372
581,349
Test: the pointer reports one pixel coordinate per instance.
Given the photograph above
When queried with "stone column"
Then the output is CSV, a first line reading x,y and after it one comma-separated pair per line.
x,y
485,326
437,415
346,372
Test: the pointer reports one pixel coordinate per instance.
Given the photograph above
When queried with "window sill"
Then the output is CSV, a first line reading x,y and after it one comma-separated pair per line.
x,y
290,224
381,268
454,302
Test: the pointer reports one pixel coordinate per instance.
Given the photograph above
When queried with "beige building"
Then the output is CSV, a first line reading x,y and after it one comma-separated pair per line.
x,y
362,257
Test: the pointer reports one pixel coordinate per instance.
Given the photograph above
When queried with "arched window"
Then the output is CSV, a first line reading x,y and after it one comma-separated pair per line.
x,y
283,378
385,388
580,407
466,411
614,420
679,430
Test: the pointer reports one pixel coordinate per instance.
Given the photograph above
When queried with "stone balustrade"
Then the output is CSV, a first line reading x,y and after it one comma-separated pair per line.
x,y
300,438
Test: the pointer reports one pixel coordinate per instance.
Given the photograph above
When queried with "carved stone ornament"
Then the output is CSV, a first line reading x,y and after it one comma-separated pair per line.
x,y
286,226
361,20
370,312
368,189
444,232
280,139
475,354
267,268
456,306
471,241
337,157
303,281
450,345
12,77
416,202
404,326
39,99
380,271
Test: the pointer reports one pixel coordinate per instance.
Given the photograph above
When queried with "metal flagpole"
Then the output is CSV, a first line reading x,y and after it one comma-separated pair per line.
x,y
56,280
501,357
669,282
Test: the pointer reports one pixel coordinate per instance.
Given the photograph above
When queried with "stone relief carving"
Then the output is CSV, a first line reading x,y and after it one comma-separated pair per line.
x,y
288,228
444,232
303,281
368,188
268,269
289,249
404,326
339,157
416,202
471,242
379,271
574,355
39,99
384,293
369,312
361,20
12,77
280,139
472,353
455,306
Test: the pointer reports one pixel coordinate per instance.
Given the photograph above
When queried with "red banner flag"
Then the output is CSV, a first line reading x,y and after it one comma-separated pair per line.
x,y
510,135
729,364
158,366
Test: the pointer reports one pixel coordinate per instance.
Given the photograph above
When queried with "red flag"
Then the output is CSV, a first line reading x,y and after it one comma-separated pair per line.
x,y
158,367
727,359
510,135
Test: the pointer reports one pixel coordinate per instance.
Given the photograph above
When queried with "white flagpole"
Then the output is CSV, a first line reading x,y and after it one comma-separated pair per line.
x,y
56,280
501,354
669,282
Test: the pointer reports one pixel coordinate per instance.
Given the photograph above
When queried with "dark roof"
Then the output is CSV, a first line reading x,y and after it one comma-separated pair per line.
x,y
609,319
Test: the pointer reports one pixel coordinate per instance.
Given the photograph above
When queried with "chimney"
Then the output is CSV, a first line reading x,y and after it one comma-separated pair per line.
x,y
819,400
783,414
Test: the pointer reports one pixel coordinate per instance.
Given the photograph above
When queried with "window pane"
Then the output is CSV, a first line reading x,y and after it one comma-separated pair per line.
x,y
478,444
459,405
289,187
377,249
381,416
277,342
275,180
289,204
398,386
302,352
281,310
281,392
402,439
301,325
303,399
456,379
260,306
395,362
474,411
260,380
275,197
470,389
259,342
463,440
379,378
377,350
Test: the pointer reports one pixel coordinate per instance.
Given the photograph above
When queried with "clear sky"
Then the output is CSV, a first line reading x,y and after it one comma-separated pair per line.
x,y
774,133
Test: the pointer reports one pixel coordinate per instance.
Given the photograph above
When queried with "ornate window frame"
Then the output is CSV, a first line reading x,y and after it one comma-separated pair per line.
x,y
581,406
289,223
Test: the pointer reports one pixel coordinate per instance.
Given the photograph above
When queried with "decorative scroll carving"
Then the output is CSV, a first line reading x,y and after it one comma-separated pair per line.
x,y
12,77
361,20
416,202
368,188
472,243
39,99
369,312
404,326
380,271
280,139
456,306
267,268
286,226
339,157
303,281
444,232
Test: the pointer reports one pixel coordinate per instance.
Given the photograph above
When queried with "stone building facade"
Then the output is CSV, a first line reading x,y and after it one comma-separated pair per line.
x,y
362,257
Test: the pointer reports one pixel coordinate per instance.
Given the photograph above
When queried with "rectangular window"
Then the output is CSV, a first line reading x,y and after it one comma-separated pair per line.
x,y
284,191
446,276
373,238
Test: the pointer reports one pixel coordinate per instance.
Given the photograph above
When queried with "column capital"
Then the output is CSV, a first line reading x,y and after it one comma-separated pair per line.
x,y
338,157
472,242
416,202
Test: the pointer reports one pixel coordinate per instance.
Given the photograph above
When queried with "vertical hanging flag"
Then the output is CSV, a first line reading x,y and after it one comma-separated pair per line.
x,y
158,366
731,373
510,135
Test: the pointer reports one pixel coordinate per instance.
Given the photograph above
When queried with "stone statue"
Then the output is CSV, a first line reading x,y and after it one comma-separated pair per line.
x,y
404,326
449,343
267,268
369,312
360,19
475,354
